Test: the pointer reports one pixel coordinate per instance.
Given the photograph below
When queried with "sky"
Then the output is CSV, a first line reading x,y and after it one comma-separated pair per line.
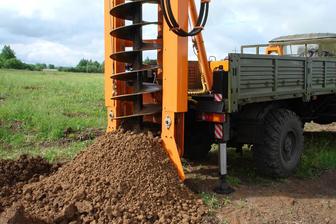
x,y
62,32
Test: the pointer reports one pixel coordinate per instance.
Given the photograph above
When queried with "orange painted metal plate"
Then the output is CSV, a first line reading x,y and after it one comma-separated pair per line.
x,y
175,86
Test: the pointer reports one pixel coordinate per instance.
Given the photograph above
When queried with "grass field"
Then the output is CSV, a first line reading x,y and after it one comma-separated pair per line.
x,y
57,114
49,114
319,154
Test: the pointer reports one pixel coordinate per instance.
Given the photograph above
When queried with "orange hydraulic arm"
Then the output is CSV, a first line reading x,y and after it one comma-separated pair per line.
x,y
201,51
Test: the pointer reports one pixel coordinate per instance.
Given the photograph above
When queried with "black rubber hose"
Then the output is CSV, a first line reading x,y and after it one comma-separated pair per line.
x,y
181,32
202,23
206,15
204,18
173,20
163,7
173,24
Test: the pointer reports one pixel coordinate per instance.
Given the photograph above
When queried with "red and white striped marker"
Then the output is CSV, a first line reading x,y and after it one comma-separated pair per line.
x,y
218,97
219,131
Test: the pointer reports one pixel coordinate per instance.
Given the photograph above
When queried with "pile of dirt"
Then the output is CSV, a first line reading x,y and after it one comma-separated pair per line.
x,y
121,178
22,170
15,174
17,215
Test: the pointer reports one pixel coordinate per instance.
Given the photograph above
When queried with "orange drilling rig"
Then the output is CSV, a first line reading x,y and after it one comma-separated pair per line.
x,y
260,100
139,93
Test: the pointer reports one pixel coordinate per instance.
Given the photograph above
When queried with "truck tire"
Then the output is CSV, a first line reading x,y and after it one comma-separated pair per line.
x,y
280,152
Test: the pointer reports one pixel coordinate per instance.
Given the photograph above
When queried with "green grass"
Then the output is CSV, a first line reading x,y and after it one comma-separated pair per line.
x,y
38,107
211,200
319,154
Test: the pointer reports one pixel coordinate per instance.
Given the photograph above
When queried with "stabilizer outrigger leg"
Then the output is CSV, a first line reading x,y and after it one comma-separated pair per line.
x,y
224,187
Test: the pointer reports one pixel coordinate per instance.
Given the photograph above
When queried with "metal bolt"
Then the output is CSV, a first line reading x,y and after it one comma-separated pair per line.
x,y
111,115
168,122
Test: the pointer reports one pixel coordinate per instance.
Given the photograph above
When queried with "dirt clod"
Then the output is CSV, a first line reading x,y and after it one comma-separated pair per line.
x,y
22,170
15,174
121,178
16,215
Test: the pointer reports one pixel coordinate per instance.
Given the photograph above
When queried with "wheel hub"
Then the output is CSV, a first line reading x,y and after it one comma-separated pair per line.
x,y
289,146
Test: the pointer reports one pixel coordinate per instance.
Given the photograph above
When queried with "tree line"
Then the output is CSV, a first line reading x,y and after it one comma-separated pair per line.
x,y
85,66
8,60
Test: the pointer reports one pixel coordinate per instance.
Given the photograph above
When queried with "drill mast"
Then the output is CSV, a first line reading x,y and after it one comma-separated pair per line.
x,y
137,93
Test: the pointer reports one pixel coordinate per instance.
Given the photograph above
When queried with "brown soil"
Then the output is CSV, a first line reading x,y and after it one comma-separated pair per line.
x,y
16,126
257,200
127,178
295,201
87,134
121,178
17,215
75,114
70,136
15,174
32,87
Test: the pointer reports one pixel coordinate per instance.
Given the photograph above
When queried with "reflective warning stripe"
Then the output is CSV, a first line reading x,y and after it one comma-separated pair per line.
x,y
219,133
218,97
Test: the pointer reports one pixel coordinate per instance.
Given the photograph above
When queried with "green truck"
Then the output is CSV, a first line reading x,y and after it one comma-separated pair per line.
x,y
264,100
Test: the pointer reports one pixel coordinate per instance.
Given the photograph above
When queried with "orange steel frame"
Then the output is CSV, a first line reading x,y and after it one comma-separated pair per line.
x,y
174,60
175,86
112,45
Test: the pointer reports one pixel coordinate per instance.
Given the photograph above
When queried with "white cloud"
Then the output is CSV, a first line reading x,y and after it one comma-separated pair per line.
x,y
46,51
32,8
59,32
62,31
233,23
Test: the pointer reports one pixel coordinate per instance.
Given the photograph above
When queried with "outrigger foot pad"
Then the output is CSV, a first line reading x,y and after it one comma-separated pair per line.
x,y
224,187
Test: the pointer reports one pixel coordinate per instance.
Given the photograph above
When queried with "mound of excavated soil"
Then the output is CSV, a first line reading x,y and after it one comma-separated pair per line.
x,y
22,170
17,215
15,174
121,178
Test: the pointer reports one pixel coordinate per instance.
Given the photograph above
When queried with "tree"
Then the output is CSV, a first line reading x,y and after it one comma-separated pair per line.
x,y
103,67
7,53
40,67
29,67
147,61
13,63
83,63
89,66
8,60
1,62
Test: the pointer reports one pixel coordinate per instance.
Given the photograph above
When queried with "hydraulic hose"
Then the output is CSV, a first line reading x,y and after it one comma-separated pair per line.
x,y
175,27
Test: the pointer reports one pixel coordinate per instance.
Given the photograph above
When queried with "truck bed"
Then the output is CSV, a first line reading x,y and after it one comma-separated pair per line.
x,y
261,78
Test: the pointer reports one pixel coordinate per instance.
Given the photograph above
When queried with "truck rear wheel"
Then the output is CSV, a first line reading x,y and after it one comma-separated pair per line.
x,y
280,152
